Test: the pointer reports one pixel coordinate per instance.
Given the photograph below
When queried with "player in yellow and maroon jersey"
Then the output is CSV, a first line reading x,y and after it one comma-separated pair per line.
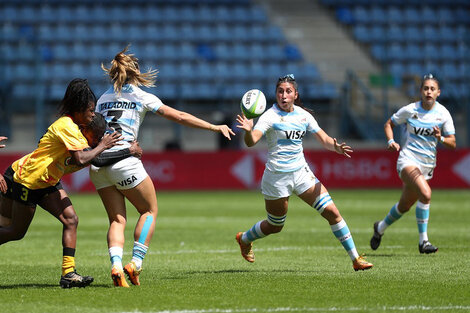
x,y
35,178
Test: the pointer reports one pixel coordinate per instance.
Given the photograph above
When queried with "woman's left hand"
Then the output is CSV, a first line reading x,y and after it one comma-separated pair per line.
x,y
342,148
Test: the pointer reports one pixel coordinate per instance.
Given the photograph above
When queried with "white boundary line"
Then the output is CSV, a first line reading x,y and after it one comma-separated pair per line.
x,y
331,309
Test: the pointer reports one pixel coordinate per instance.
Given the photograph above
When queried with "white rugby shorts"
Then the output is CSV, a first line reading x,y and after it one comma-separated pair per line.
x,y
125,174
404,162
275,185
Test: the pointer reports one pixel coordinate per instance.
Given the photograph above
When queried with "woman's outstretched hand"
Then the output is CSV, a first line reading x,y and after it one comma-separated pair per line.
x,y
342,148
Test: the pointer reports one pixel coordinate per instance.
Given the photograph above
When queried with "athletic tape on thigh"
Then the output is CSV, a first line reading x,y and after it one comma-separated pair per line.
x,y
322,201
145,229
276,220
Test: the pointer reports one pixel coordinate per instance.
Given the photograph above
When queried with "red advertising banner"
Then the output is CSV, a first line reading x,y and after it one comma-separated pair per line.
x,y
243,170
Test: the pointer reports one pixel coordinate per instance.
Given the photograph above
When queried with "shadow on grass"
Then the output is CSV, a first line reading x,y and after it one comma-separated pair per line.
x,y
55,286
237,271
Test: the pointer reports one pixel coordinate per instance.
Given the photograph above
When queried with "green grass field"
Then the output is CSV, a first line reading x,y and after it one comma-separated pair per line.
x,y
194,264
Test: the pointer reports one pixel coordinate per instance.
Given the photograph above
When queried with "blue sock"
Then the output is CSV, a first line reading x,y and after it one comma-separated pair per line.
x,y
422,218
341,231
138,253
253,234
392,216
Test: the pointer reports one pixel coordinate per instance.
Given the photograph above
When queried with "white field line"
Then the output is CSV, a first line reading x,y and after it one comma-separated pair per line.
x,y
225,251
414,308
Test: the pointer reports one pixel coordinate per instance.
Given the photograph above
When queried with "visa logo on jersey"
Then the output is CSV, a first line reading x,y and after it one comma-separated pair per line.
x,y
295,134
127,181
423,131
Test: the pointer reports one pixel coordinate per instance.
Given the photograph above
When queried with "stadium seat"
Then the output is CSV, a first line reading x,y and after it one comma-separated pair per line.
x,y
394,16
361,33
413,34
428,15
360,15
377,15
413,52
396,52
344,15
412,16
395,33
379,52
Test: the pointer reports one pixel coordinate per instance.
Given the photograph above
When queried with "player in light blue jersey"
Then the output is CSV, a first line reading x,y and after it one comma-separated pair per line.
x,y
124,105
285,124
427,123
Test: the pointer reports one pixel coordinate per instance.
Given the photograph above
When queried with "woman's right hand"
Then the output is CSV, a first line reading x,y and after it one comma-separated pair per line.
x,y
393,146
244,123
110,140
3,184
135,149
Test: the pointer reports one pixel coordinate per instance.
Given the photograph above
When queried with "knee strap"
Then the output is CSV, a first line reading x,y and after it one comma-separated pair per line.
x,y
276,220
321,202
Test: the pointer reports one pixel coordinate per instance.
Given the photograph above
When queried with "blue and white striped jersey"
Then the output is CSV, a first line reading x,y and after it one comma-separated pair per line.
x,y
420,144
125,112
284,132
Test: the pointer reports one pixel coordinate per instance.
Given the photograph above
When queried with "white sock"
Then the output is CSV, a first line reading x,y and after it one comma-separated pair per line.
x,y
115,255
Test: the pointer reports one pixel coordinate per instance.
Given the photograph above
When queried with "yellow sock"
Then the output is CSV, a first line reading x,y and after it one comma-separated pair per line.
x,y
68,264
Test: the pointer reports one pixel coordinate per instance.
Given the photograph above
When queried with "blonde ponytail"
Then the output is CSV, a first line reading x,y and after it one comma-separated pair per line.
x,y
125,70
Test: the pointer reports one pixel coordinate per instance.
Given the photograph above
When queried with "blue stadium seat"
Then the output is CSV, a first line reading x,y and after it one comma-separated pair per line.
x,y
430,33
27,14
377,34
446,34
293,53
361,33
395,33
412,16
64,14
377,15
413,52
308,72
81,31
361,15
395,16
10,13
62,52
462,15
396,52
413,34
445,16
415,68
397,69
222,33
204,14
379,52
46,13
257,15
99,12
80,51
431,52
447,52
450,71
344,15
82,13
256,70
428,15
274,52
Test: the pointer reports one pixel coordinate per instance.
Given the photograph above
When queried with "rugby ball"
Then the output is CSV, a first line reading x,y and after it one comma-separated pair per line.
x,y
253,103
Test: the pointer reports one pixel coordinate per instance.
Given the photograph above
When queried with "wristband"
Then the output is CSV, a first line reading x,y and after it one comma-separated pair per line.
x,y
442,139
390,142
